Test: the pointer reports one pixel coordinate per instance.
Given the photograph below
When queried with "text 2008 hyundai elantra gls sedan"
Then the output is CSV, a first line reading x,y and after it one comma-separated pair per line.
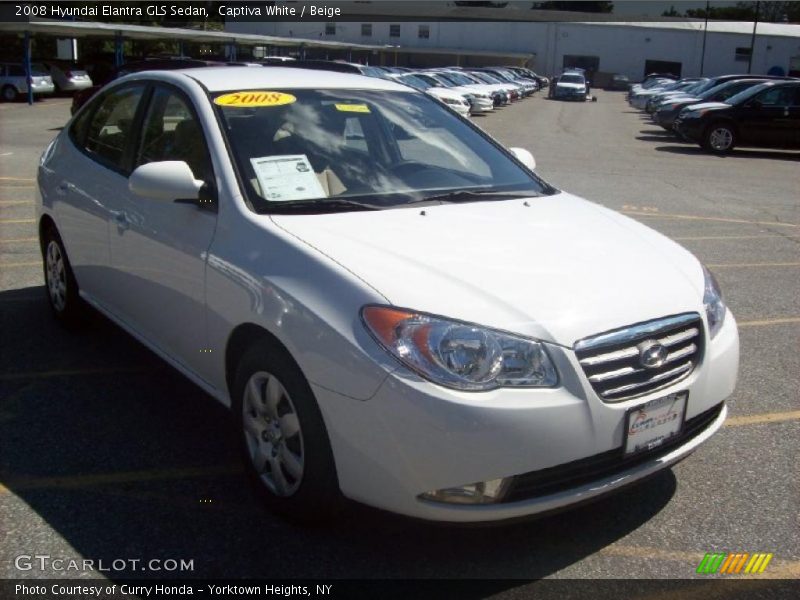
x,y
395,307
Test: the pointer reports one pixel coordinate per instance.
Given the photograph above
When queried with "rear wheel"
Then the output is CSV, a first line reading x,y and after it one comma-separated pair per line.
x,y
9,93
719,138
283,438
60,284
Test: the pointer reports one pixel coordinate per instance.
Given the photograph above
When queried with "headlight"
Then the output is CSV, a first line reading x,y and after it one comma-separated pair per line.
x,y
460,355
712,301
449,101
693,114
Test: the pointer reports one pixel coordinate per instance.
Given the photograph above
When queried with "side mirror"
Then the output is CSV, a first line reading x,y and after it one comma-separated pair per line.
x,y
165,180
524,156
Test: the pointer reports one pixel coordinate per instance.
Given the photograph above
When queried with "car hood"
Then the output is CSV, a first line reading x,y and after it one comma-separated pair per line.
x,y
559,269
708,106
682,99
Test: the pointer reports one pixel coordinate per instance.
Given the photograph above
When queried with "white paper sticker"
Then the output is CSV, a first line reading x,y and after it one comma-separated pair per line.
x,y
287,177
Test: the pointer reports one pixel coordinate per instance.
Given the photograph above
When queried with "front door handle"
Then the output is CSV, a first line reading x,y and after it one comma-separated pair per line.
x,y
121,219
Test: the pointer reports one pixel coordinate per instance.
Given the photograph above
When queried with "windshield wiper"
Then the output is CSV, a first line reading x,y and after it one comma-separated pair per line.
x,y
474,195
320,205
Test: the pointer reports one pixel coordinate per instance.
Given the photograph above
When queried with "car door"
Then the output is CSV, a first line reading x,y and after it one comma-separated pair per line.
x,y
84,176
765,120
794,118
158,247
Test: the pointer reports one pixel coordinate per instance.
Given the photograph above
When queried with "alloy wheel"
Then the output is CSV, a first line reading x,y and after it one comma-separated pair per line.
x,y
56,276
273,435
720,139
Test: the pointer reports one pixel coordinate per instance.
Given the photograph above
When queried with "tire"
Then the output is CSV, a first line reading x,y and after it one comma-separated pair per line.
x,y
61,286
719,138
9,93
283,440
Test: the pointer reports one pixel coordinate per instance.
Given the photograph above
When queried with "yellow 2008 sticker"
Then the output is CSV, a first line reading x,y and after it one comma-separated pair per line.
x,y
359,108
254,98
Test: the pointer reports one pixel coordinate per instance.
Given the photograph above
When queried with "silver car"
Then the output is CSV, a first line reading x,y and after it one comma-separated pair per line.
x,y
13,81
68,76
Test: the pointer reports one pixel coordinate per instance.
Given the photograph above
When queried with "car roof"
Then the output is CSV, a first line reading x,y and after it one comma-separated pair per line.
x,y
221,79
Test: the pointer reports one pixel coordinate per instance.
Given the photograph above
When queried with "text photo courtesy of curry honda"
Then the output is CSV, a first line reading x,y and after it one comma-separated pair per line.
x,y
288,276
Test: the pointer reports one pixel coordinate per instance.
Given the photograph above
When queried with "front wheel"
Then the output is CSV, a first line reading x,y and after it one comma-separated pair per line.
x,y
283,438
9,93
719,138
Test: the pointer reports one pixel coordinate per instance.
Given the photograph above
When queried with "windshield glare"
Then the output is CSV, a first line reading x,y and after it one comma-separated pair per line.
x,y
380,148
744,95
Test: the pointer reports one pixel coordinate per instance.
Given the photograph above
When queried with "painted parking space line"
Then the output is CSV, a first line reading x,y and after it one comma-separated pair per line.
x,y
684,238
701,218
753,265
767,322
73,373
19,240
776,417
16,179
15,483
14,202
17,220
20,264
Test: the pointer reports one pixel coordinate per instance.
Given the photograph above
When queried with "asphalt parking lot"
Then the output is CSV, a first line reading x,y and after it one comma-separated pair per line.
x,y
106,452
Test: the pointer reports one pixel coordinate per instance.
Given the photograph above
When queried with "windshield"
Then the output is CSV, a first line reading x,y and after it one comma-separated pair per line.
x,y
571,79
458,78
726,90
345,147
745,95
415,82
486,78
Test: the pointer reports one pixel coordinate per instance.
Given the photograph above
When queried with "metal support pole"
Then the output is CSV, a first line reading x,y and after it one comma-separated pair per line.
x,y
349,55
119,53
705,34
26,51
180,48
753,40
302,52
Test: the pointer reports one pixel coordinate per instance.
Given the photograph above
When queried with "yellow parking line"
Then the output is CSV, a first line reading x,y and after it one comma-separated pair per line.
x,y
20,264
17,179
99,479
14,202
17,220
748,265
763,322
776,417
729,237
699,218
19,240
70,373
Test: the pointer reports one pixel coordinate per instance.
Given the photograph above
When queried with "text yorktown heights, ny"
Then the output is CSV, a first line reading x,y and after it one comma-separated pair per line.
x,y
155,590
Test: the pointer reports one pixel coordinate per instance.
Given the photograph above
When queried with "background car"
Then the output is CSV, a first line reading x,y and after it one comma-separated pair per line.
x,y
13,82
570,85
454,100
68,76
766,115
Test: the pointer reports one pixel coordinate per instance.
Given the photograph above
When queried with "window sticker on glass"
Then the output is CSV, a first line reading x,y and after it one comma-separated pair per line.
x,y
357,108
254,98
287,177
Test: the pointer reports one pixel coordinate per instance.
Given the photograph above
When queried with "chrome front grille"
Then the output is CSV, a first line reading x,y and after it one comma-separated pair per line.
x,y
619,364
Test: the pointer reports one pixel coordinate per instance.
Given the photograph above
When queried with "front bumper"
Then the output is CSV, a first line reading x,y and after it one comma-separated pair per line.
x,y
480,105
413,437
43,88
689,129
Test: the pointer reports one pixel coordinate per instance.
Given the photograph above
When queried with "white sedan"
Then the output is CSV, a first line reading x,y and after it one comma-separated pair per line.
x,y
395,307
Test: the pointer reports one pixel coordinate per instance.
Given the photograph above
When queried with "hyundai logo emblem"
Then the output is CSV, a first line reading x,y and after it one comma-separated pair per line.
x,y
652,354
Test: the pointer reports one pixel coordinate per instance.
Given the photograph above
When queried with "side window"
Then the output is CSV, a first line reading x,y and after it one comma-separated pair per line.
x,y
172,132
111,126
777,96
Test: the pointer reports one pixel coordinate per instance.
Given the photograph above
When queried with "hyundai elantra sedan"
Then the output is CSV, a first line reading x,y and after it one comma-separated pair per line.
x,y
396,308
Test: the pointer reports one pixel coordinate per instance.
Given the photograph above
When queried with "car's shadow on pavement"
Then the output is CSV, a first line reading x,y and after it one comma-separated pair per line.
x,y
124,458
693,149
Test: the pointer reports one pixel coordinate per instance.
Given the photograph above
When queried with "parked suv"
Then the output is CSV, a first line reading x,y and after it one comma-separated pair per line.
x,y
13,81
767,115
